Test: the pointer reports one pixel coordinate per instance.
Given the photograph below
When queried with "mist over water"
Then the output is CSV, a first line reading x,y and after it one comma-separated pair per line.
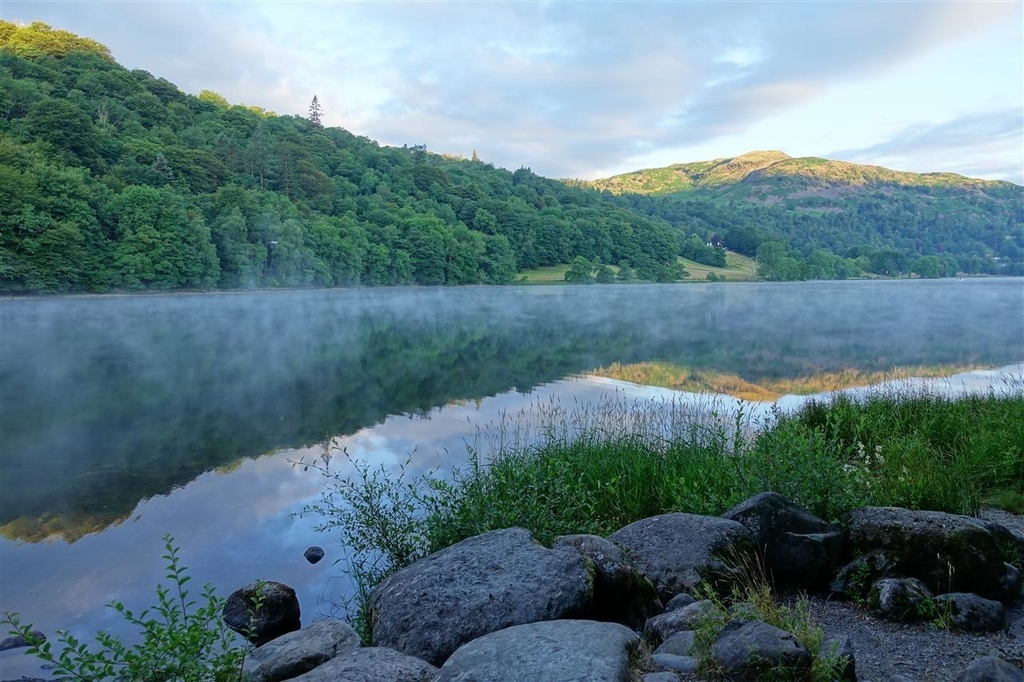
x,y
122,418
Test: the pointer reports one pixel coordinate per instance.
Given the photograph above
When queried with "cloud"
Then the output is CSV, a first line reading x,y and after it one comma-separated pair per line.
x,y
566,88
969,143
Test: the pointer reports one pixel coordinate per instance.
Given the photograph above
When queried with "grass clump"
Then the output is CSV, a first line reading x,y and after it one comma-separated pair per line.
x,y
588,469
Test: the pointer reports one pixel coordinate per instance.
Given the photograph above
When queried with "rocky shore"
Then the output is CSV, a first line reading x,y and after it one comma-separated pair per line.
x,y
899,595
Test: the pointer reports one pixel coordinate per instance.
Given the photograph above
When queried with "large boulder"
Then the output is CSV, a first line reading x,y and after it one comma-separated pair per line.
x,y
799,548
680,552
263,611
621,593
970,612
299,652
552,650
950,553
372,664
899,599
480,585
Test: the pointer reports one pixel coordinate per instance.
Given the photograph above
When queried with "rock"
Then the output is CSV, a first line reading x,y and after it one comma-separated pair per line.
x,y
854,580
664,625
550,650
298,652
371,664
990,669
747,650
1011,582
661,677
314,554
679,601
621,594
683,664
799,548
841,648
480,585
17,641
971,612
277,613
1016,628
899,599
680,552
950,553
678,644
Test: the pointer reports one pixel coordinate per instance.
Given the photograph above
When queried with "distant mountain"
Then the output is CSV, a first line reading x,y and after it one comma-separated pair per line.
x,y
773,175
880,221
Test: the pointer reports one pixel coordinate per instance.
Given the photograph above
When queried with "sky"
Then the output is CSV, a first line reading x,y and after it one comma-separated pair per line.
x,y
592,89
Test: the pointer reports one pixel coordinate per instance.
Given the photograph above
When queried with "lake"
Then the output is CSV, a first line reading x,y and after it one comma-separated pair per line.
x,y
123,418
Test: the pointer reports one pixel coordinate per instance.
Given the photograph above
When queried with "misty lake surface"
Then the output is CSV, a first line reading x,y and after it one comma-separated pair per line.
x,y
123,418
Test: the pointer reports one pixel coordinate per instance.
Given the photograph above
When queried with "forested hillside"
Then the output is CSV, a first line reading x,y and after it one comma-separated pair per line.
x,y
814,218
116,180
113,179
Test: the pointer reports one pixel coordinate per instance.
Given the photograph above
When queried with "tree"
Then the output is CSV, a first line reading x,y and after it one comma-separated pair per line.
x,y
580,271
315,114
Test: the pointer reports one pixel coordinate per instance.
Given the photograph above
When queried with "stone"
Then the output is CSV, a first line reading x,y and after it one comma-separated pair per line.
x,y
681,552
990,669
371,664
799,549
899,599
664,625
277,613
747,650
661,677
314,554
621,593
683,664
949,552
298,652
1016,629
17,641
854,580
970,612
842,648
679,601
480,585
678,644
549,650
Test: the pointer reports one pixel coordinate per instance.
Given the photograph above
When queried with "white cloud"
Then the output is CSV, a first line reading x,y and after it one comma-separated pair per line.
x,y
576,89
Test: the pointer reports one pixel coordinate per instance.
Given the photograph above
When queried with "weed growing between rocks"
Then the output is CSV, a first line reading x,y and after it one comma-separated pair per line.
x,y
594,469
181,642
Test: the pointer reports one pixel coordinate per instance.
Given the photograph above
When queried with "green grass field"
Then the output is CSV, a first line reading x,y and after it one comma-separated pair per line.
x,y
737,269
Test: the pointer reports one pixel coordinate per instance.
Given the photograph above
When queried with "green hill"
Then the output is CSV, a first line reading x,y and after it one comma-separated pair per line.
x,y
879,220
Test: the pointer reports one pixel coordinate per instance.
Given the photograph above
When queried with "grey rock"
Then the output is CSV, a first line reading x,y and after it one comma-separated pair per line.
x,y
300,651
678,644
679,601
550,650
372,664
854,580
314,554
480,585
990,669
1016,628
841,648
683,664
973,613
661,677
621,593
681,552
950,553
278,612
17,641
746,650
799,548
1011,583
664,625
899,599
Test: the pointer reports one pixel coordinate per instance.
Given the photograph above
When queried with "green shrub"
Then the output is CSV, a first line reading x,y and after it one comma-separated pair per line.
x,y
180,641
